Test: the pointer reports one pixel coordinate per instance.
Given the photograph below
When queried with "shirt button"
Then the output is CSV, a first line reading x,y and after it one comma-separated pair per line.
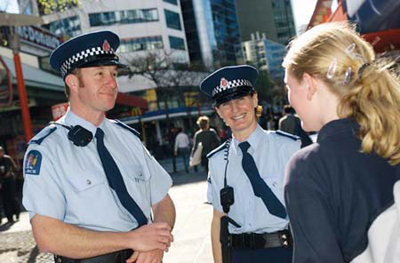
x,y
88,182
274,184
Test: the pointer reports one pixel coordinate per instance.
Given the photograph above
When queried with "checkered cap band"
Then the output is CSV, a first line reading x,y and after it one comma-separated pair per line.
x,y
231,84
77,58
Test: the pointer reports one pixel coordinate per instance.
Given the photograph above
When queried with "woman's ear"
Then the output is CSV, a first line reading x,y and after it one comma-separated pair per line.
x,y
311,85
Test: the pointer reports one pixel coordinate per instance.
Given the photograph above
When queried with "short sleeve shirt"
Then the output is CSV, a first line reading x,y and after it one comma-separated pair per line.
x,y
271,152
68,182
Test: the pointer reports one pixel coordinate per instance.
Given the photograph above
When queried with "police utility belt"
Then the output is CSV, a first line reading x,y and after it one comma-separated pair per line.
x,y
261,241
114,257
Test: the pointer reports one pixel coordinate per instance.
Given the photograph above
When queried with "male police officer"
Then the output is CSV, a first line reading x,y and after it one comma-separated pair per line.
x,y
246,175
90,185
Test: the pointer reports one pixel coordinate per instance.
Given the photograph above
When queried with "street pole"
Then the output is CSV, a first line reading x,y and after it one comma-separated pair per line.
x,y
13,21
23,98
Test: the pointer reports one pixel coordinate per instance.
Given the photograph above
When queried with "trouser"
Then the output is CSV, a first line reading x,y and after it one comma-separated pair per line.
x,y
266,255
10,202
184,153
115,257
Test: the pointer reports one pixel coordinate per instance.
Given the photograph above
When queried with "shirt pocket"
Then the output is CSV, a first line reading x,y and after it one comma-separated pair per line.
x,y
86,181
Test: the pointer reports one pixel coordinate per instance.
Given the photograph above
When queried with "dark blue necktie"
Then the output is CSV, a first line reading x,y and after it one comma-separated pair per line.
x,y
260,188
115,180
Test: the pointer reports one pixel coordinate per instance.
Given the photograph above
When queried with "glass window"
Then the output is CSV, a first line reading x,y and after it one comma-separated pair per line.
x,y
173,20
123,17
174,2
176,43
140,44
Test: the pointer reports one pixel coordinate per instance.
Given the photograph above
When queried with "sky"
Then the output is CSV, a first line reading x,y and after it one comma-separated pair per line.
x,y
302,10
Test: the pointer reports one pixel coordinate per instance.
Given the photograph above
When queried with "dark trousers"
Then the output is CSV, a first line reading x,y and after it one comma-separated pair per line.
x,y
115,257
10,202
184,153
267,255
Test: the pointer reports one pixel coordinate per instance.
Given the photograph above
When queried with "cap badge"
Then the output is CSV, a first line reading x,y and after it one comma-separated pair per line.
x,y
106,46
223,83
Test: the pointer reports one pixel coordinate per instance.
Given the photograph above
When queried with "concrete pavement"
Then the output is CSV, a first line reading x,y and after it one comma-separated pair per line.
x,y
192,229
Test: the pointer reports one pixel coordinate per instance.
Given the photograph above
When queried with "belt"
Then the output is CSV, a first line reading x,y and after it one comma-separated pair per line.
x,y
115,257
260,241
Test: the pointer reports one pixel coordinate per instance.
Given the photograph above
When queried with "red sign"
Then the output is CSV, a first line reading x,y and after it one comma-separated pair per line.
x,y
59,110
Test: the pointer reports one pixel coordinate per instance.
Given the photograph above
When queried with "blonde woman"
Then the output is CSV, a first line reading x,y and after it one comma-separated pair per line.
x,y
339,191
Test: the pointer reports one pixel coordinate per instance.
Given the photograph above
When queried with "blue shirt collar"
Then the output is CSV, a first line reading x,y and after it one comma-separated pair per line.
x,y
73,119
254,139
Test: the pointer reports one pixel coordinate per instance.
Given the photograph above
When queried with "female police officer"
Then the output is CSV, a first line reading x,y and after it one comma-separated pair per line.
x,y
246,175
90,185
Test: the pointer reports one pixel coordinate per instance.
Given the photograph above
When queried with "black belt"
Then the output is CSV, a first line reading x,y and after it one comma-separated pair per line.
x,y
115,257
259,241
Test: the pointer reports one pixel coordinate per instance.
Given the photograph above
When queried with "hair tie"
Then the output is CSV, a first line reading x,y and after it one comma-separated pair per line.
x,y
361,69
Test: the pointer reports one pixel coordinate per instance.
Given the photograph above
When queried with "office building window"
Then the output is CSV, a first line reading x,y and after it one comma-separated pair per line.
x,y
123,17
176,43
173,20
174,2
140,44
67,27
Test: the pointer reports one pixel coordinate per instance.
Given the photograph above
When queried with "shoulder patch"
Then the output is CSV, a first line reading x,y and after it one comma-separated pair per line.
x,y
288,135
41,139
218,149
33,162
132,130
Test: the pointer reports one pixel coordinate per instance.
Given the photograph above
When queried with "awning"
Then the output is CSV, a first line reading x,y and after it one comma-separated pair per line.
x,y
35,76
133,101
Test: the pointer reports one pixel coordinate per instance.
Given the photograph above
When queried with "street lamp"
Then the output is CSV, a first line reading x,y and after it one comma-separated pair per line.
x,y
12,21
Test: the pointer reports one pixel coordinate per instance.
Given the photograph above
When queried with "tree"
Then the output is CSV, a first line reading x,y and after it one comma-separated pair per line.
x,y
47,7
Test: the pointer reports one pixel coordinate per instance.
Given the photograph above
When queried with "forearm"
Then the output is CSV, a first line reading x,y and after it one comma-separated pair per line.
x,y
215,232
67,240
164,211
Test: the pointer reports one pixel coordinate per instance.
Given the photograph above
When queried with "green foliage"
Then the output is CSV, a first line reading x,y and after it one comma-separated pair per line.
x,y
264,87
47,7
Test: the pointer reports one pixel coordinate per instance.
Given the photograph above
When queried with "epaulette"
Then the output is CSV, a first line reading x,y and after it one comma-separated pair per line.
x,y
288,135
218,149
132,130
41,139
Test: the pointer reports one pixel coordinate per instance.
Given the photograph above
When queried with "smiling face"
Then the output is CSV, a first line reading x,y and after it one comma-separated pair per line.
x,y
93,90
239,115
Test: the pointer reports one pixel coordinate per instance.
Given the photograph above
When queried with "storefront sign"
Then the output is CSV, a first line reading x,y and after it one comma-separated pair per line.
x,y
39,36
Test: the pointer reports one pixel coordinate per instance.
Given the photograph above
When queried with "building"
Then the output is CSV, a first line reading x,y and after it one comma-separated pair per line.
x,y
284,21
266,55
274,18
212,32
256,17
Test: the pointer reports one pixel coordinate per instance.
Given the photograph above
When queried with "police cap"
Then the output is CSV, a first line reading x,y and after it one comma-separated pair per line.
x,y
87,50
230,83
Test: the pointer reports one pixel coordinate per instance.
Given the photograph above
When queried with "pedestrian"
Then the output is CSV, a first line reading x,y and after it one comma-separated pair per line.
x,y
291,123
246,175
182,147
340,190
93,191
8,187
207,137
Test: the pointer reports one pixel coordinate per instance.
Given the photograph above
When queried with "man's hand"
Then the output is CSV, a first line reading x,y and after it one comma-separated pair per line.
x,y
152,236
154,256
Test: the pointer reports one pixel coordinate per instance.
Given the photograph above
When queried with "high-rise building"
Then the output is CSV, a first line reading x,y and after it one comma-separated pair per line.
x,y
256,17
212,32
266,55
274,18
284,21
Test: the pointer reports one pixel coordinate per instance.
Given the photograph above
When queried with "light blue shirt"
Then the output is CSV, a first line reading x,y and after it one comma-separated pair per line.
x,y
271,152
68,182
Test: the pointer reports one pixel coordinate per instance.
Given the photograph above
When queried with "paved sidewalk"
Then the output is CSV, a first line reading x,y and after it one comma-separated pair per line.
x,y
192,229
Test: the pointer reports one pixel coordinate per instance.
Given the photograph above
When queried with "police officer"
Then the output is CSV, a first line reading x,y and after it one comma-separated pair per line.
x,y
90,184
249,222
